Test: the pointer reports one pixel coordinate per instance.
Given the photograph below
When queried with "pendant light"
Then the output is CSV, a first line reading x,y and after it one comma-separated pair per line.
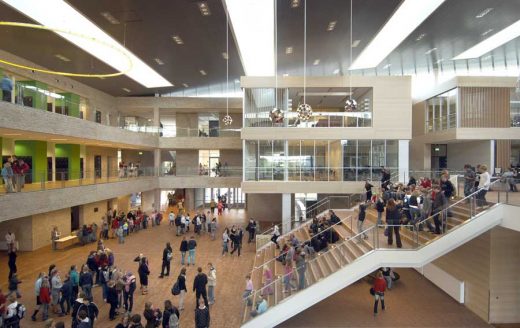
x,y
227,120
304,110
276,115
350,103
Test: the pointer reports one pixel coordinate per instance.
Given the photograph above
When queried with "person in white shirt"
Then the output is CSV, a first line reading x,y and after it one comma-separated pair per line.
x,y
483,186
171,218
212,282
10,241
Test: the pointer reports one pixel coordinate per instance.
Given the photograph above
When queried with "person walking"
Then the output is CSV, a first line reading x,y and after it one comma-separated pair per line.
x,y
368,188
199,286
166,260
202,317
361,220
212,283
192,245
86,281
379,291
251,229
128,291
483,186
7,88
469,180
225,242
393,219
183,249
380,208
301,267
143,272
37,286
11,263
274,237
288,276
171,315
237,244
181,282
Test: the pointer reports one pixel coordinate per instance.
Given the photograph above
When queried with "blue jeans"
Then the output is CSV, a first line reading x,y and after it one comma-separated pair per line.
x,y
211,294
87,289
183,254
191,257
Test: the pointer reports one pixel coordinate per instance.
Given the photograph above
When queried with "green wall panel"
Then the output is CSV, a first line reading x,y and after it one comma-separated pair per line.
x,y
38,151
71,100
39,99
72,152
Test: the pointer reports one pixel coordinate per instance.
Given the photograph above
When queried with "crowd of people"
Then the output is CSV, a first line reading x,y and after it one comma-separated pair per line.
x,y
13,174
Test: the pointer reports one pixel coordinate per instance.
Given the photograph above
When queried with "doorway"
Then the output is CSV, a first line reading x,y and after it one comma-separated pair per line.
x,y
97,166
439,155
74,218
62,168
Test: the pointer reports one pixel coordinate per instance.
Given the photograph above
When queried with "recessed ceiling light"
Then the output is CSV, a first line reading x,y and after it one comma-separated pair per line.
x,y
409,15
62,16
439,61
58,139
420,37
496,40
225,55
177,39
288,50
108,16
158,61
126,89
61,57
336,71
285,75
387,66
484,12
12,134
204,8
203,72
430,51
295,3
185,85
331,26
316,62
355,43
487,57
237,81
487,32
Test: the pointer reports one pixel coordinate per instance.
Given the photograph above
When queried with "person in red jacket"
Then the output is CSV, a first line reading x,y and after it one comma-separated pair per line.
x,y
379,291
45,297
20,169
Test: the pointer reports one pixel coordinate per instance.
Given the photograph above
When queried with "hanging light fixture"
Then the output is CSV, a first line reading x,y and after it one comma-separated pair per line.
x,y
304,110
276,115
227,120
350,103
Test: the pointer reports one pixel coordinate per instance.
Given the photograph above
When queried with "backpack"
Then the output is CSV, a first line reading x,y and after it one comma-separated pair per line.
x,y
173,321
20,311
176,289
169,256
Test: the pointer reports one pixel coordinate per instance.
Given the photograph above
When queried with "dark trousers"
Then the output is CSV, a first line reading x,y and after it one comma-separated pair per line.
x,y
128,301
391,231
251,236
236,247
437,219
165,265
6,95
198,294
75,291
64,300
112,312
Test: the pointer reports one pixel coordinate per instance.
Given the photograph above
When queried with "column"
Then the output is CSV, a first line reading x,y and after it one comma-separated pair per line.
x,y
403,162
156,118
286,213
157,162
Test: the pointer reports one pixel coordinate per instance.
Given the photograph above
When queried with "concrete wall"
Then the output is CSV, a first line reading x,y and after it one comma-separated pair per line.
x,y
265,207
473,152
132,156
233,158
187,162
123,203
22,229
93,212
108,161
43,223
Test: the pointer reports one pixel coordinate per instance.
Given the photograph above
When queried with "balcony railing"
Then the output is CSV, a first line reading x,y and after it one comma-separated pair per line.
x,y
318,173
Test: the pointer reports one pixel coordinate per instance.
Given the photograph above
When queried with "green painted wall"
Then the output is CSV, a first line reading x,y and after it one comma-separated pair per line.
x,y
39,99
71,100
72,152
38,151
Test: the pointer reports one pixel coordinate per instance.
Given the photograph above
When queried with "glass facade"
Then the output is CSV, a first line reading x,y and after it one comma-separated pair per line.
x,y
318,160
515,108
441,112
328,106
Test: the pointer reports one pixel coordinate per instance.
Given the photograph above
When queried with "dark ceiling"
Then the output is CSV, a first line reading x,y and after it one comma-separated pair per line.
x,y
150,25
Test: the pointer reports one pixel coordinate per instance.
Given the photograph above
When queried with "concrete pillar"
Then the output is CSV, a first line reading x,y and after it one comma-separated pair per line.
x,y
286,213
404,160
156,117
189,199
157,161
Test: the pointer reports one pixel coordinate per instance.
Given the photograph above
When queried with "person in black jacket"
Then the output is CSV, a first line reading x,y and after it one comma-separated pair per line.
x,y
11,262
202,318
251,228
112,299
181,281
238,241
199,286
66,294
84,304
183,249
166,259
143,275
393,218
169,310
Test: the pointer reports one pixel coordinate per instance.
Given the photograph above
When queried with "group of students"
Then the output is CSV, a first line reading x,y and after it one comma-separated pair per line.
x,y
13,174
122,225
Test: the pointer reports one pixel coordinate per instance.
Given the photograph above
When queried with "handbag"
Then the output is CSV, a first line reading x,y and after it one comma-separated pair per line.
x,y
175,289
372,291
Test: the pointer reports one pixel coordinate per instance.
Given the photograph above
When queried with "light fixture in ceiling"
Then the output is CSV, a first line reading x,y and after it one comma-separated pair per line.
x,y
237,81
486,32
58,139
316,62
253,26
355,43
439,61
484,12
225,55
288,50
64,17
203,72
158,61
496,40
177,39
331,26
304,110
409,15
350,102
185,85
126,90
420,37
387,66
285,74
204,8
295,3
111,19
336,71
12,134
429,51
61,57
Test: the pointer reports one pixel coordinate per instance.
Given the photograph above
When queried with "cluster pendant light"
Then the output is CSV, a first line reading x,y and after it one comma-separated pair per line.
x,y
350,103
227,120
276,115
304,110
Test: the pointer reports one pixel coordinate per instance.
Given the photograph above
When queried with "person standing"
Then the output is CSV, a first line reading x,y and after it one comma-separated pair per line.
x,y
74,278
143,272
469,180
301,267
181,282
237,244
379,291
251,229
192,245
274,237
483,186
10,241
86,281
7,88
202,318
128,291
11,262
20,169
380,208
45,297
225,242
166,260
368,188
212,283
361,220
55,235
212,206
393,219
183,249
199,286
171,315
7,175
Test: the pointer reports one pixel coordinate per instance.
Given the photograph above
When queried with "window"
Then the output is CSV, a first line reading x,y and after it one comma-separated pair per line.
x,y
98,116
441,112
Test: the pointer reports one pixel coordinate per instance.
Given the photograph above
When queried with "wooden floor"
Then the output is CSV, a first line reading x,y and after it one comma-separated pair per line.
x,y
230,272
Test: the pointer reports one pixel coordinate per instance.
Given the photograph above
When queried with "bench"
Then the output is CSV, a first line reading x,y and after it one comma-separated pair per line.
x,y
67,241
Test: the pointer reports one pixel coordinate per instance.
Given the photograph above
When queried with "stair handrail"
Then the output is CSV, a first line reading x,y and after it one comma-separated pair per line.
x,y
303,242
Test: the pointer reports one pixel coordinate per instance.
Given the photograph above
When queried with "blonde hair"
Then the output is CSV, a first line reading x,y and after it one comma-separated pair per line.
x,y
483,167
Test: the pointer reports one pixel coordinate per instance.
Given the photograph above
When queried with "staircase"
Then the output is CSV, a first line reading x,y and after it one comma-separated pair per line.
x,y
353,257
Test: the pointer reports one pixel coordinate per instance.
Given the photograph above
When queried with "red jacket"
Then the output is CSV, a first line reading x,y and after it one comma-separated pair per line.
x,y
45,296
21,169
380,285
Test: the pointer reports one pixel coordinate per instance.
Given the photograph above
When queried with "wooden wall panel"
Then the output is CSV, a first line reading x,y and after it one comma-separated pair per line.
x,y
470,263
484,107
504,281
503,154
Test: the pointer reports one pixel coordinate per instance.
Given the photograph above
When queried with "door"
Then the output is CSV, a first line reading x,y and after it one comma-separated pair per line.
x,y
97,166
213,128
62,168
74,218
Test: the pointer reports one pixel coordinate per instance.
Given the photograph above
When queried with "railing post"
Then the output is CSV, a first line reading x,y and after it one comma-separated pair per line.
x,y
507,196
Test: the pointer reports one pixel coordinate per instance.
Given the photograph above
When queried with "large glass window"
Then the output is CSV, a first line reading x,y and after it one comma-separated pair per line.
x,y
441,112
